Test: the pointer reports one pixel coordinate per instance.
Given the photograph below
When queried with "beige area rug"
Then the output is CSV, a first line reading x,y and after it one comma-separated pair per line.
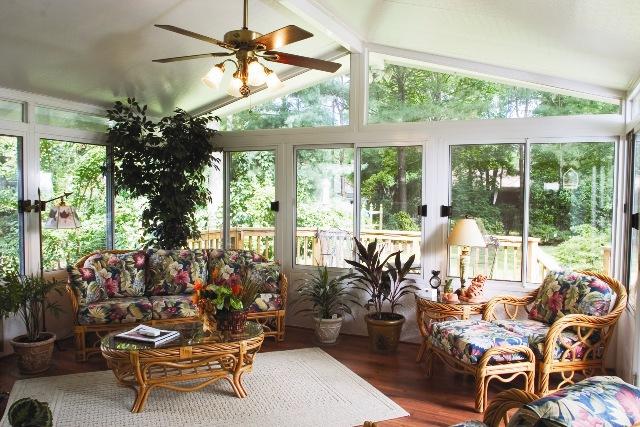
x,y
286,388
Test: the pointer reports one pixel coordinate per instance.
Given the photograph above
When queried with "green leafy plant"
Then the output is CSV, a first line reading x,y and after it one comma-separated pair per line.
x,y
381,280
326,296
27,412
164,162
26,296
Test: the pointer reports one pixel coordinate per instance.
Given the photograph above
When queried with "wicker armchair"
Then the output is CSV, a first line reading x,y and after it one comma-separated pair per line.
x,y
593,335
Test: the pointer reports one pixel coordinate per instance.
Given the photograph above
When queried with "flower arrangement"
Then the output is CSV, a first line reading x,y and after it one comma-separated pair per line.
x,y
229,291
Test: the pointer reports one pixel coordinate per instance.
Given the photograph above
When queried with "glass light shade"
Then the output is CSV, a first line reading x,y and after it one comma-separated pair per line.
x,y
257,76
273,81
62,216
234,87
213,78
466,233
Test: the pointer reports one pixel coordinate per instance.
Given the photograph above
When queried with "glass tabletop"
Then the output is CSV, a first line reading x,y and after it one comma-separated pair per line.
x,y
191,333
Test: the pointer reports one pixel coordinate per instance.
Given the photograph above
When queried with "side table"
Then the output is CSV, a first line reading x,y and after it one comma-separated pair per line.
x,y
428,311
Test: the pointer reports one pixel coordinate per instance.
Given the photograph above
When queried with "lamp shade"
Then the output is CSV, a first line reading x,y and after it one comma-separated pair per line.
x,y
62,216
466,233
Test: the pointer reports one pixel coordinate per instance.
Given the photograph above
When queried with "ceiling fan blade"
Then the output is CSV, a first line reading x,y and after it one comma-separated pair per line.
x,y
186,58
284,36
194,35
302,61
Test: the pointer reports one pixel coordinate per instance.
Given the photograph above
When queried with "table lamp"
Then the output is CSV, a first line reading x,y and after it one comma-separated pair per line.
x,y
466,233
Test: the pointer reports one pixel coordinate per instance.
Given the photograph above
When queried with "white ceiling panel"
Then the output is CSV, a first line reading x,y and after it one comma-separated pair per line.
x,y
96,51
591,41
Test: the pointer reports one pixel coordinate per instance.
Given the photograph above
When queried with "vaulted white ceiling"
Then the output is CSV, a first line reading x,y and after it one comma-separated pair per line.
x,y
590,41
96,51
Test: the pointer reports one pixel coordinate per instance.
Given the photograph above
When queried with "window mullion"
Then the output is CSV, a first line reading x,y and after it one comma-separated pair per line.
x,y
525,212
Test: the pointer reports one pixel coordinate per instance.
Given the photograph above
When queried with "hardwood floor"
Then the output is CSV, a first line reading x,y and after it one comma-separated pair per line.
x,y
442,400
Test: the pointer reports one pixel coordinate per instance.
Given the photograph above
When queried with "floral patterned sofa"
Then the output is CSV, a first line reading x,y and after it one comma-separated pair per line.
x,y
112,290
602,401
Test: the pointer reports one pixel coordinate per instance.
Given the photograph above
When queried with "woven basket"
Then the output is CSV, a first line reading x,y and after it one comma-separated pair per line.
x,y
231,320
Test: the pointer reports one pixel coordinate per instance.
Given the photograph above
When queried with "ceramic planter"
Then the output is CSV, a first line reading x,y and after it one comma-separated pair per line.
x,y
327,330
34,357
384,334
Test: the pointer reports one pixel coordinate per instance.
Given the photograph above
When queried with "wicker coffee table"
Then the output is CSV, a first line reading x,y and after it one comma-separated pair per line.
x,y
189,363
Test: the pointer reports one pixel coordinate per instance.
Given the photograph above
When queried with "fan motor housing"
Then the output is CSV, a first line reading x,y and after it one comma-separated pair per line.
x,y
240,38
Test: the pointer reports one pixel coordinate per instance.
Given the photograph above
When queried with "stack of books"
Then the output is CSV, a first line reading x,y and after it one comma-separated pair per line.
x,y
149,335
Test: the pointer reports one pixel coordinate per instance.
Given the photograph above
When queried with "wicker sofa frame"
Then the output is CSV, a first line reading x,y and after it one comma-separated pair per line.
x,y
594,333
81,332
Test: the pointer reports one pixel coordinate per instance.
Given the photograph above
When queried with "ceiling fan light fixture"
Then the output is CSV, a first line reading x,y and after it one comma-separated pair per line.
x,y
257,75
234,85
272,80
213,78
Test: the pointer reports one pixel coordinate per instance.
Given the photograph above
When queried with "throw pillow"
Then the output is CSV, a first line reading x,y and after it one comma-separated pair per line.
x,y
173,272
121,275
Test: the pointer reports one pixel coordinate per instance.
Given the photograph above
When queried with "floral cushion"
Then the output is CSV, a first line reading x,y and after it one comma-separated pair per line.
x,y
225,263
536,332
173,272
84,282
468,340
267,273
267,302
117,310
121,275
601,401
563,293
471,423
172,306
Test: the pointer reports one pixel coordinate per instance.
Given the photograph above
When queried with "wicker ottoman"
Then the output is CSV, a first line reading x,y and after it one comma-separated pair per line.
x,y
481,349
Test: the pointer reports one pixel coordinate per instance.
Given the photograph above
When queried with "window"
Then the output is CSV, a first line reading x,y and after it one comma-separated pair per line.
x,y
404,91
390,197
487,184
128,231
324,206
70,119
634,245
322,104
10,192
571,207
76,168
211,219
252,188
11,110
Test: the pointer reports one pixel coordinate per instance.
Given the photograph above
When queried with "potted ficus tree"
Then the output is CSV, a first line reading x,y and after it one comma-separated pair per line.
x,y
385,284
25,296
329,298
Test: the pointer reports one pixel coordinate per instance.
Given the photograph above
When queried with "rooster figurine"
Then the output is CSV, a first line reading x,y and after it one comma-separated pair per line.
x,y
474,292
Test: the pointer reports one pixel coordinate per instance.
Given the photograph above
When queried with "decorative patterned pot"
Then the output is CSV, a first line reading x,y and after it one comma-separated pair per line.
x,y
231,320
327,330
34,357
384,333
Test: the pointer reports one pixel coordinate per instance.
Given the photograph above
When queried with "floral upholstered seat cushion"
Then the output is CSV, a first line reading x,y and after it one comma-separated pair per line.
x,y
536,333
115,310
602,401
267,302
174,272
231,261
121,275
563,293
172,306
85,284
468,340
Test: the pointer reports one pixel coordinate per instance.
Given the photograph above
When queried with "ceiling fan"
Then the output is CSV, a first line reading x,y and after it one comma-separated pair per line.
x,y
248,47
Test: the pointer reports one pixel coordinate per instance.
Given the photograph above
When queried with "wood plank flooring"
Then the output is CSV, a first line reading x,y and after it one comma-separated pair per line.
x,y
442,400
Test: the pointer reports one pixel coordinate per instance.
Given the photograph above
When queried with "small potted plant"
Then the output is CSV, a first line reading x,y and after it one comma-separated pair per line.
x,y
328,299
384,283
29,412
228,299
25,296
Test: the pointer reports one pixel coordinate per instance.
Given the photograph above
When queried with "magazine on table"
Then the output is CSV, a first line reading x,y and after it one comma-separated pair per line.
x,y
148,334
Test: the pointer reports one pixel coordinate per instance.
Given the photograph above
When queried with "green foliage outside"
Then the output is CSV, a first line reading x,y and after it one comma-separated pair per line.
x,y
9,227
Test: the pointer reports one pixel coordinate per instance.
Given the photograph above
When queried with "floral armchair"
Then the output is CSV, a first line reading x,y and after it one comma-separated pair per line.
x,y
571,318
603,401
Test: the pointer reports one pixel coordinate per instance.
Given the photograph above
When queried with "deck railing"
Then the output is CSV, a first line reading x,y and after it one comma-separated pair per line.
x,y
329,247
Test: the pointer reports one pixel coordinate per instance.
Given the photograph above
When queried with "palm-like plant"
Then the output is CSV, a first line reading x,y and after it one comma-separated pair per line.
x,y
381,280
327,296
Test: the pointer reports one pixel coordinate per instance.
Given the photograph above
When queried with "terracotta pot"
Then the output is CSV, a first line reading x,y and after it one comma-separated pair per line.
x,y
327,330
384,333
231,320
34,357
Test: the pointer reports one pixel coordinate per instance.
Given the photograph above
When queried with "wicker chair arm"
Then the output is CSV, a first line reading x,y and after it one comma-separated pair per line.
x,y
490,306
505,401
284,288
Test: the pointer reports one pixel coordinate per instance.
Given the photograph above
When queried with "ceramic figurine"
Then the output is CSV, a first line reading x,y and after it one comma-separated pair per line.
x,y
448,296
474,293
